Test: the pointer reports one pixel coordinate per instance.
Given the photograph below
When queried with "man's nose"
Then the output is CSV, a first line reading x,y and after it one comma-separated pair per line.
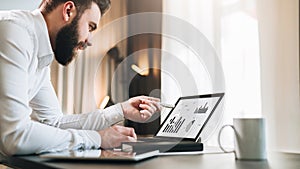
x,y
88,40
83,45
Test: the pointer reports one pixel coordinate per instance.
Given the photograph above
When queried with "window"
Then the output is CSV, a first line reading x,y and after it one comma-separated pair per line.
x,y
231,27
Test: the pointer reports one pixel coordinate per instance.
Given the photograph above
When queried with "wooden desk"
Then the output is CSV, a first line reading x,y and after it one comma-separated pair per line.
x,y
205,161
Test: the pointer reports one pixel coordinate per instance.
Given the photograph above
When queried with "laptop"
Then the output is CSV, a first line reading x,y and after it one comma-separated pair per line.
x,y
181,129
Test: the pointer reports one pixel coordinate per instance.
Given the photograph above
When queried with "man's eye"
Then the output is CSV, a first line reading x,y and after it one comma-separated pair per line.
x,y
91,28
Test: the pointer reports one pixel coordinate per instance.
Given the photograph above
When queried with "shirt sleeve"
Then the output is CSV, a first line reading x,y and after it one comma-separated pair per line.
x,y
19,134
98,120
46,109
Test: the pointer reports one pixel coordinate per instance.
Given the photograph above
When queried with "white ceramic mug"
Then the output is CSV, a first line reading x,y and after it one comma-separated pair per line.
x,y
250,138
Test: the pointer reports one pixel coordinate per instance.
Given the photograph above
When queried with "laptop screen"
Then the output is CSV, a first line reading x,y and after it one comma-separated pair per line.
x,y
189,116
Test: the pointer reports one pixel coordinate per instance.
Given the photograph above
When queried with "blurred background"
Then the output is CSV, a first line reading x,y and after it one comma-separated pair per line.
x,y
256,42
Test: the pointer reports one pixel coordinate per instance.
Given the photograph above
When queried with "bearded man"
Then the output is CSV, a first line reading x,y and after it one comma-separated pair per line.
x,y
31,119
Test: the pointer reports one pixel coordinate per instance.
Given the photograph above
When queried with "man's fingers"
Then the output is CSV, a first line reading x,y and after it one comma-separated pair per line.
x,y
130,139
145,114
150,98
115,135
150,108
155,105
127,131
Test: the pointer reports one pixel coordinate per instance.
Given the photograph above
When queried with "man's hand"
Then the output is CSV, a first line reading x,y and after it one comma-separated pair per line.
x,y
141,108
113,136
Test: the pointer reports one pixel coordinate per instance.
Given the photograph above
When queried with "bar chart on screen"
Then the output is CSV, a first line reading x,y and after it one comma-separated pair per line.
x,y
202,109
174,125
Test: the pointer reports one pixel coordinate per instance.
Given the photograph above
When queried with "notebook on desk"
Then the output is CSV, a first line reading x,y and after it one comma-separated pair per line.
x,y
100,155
181,129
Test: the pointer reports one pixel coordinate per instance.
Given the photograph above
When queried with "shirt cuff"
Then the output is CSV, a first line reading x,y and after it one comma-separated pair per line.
x,y
114,114
86,139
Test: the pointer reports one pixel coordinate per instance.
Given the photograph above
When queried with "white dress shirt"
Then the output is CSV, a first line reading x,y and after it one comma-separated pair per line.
x,y
31,120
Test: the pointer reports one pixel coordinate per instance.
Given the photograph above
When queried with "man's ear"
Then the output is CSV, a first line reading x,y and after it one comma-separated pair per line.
x,y
69,11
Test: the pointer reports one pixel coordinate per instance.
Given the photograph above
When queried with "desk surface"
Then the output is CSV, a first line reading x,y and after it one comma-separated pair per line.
x,y
204,161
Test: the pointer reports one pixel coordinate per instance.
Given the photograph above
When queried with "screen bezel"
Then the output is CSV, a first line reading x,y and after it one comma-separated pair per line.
x,y
220,95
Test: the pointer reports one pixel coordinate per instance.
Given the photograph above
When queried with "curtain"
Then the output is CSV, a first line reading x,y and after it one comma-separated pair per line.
x,y
279,43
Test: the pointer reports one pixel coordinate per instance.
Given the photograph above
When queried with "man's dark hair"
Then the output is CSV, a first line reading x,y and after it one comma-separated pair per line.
x,y
81,5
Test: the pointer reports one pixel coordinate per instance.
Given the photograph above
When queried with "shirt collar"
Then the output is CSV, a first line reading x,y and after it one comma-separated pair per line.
x,y
45,52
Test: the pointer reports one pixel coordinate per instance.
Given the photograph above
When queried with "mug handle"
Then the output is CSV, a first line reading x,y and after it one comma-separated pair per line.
x,y
219,138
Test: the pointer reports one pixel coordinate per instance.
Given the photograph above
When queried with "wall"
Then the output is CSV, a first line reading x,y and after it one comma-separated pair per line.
x,y
19,4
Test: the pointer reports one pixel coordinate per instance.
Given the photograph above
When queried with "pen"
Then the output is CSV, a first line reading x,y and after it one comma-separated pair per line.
x,y
166,105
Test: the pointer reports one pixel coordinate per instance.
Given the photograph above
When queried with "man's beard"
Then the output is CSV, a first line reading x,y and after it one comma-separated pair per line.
x,y
66,43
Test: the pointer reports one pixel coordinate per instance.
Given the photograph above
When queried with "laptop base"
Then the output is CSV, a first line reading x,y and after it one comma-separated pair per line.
x,y
162,146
